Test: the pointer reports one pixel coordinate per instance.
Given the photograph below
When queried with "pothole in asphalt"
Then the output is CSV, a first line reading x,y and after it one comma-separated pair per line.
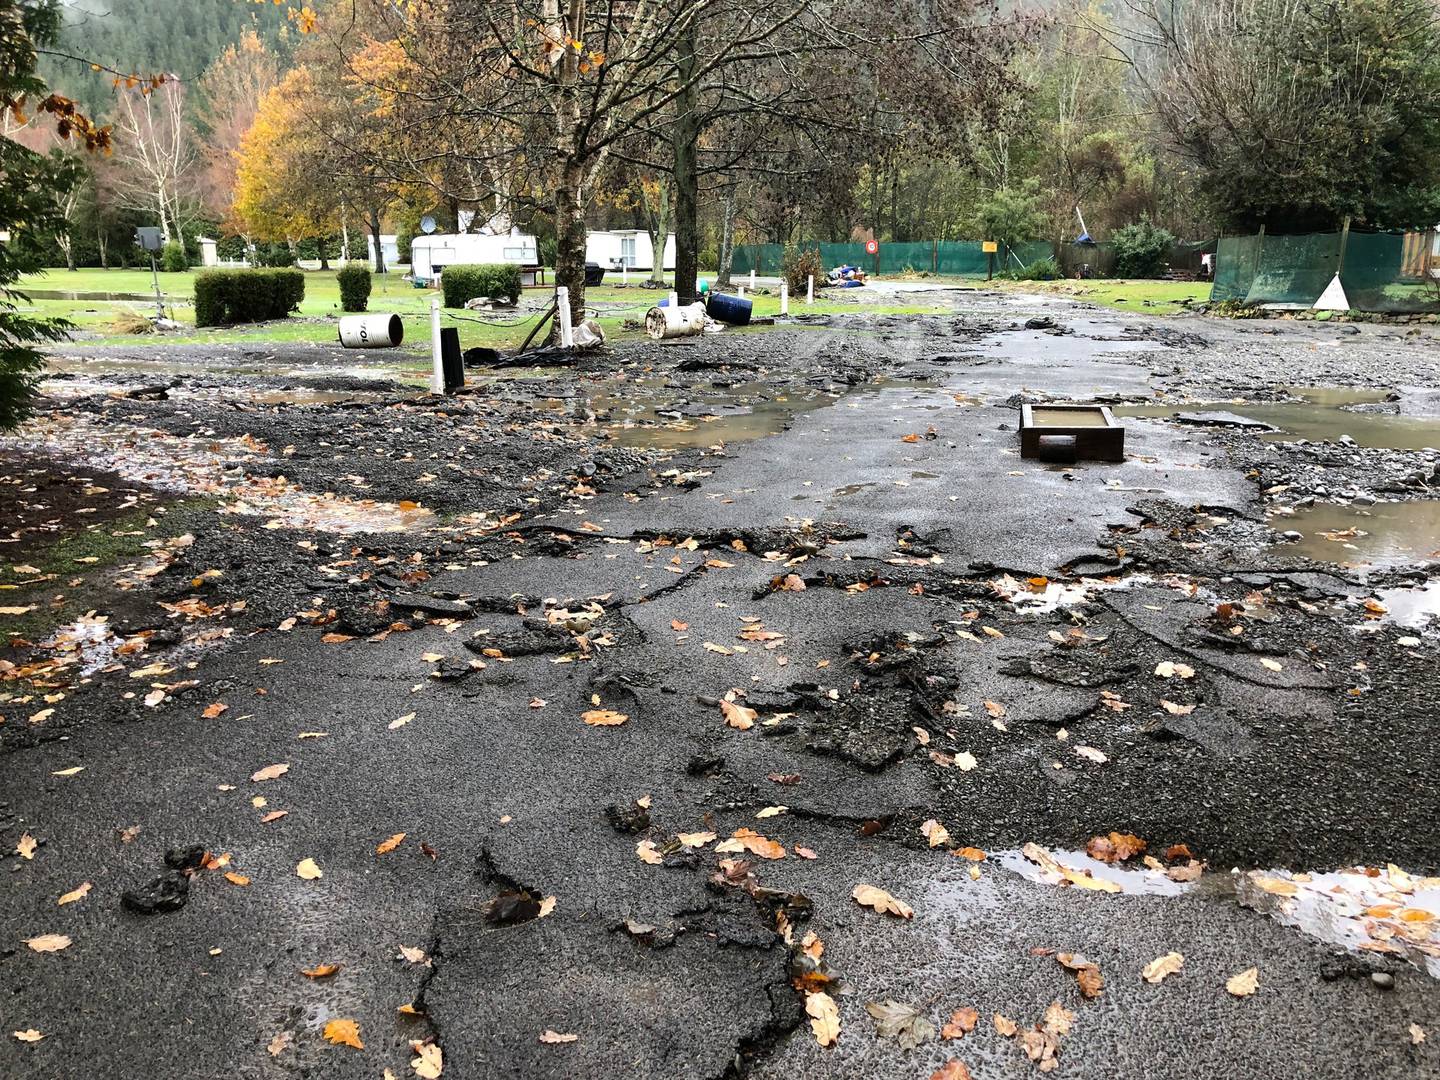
x,y
1322,414
1047,867
1414,608
1379,536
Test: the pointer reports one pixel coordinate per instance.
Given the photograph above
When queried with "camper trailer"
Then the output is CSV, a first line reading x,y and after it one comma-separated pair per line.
x,y
429,255
630,248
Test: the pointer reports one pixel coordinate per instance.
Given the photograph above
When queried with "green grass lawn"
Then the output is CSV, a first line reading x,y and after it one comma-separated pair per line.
x,y
1144,297
316,320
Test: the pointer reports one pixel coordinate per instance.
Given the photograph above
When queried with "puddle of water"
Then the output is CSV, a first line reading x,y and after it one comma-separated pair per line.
x,y
1320,416
1383,535
1366,910
1031,598
68,294
1412,608
1056,867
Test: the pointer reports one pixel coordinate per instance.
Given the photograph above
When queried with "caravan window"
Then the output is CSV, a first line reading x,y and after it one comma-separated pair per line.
x,y
627,250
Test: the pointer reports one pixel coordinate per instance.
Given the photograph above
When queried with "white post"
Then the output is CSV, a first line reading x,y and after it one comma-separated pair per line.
x,y
562,316
741,292
784,298
437,367
752,279
624,272
674,300
810,290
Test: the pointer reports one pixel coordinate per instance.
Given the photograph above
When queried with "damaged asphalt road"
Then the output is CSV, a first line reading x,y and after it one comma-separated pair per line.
x,y
548,730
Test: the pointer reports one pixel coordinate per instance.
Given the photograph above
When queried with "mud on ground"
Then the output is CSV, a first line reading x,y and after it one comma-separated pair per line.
x,y
583,702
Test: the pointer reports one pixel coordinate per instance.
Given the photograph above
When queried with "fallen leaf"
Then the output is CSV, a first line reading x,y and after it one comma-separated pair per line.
x,y
428,1062
678,626
412,954
78,893
307,869
604,718
548,1036
1089,753
1168,669
279,1043
30,1035
1273,665
974,854
901,1022
753,842
965,761
387,846
649,853
962,1021
771,811
214,710
805,852
1175,709
320,971
270,772
738,716
694,839
400,721
70,771
1004,1025
48,942
236,879
1417,1035
1244,984
274,815
934,832
824,1018
952,1070
995,709
25,848
872,897
344,1033
1156,970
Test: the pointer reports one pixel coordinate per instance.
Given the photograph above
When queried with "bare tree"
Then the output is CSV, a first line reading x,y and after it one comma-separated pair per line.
x,y
156,156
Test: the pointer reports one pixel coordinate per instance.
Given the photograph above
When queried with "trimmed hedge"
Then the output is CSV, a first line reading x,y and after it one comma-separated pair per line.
x,y
354,287
465,281
173,259
236,296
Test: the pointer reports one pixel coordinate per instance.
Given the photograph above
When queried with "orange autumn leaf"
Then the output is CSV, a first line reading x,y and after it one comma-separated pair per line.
x,y
387,846
344,1033
604,718
320,971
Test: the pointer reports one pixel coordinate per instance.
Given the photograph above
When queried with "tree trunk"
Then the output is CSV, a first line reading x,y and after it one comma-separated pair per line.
x,y
375,234
320,247
67,245
104,248
570,236
685,134
727,238
344,236
657,224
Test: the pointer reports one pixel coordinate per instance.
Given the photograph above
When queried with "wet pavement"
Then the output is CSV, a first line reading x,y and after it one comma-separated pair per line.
x,y
554,729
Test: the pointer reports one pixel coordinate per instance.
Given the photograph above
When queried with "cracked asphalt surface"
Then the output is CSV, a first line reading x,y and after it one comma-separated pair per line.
x,y
431,681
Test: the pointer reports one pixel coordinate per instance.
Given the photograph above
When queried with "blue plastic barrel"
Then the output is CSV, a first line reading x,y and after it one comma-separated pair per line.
x,y
734,310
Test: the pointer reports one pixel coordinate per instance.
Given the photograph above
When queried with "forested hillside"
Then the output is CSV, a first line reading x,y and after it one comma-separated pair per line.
x,y
180,37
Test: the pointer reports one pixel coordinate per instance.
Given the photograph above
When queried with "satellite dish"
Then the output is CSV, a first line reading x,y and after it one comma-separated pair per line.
x,y
427,224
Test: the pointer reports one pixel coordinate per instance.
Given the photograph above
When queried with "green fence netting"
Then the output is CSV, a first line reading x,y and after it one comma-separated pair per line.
x,y
1295,270
935,256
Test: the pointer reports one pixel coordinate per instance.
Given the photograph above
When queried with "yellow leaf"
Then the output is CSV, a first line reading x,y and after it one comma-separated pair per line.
x,y
753,842
270,772
428,1062
400,721
649,853
30,1035
236,879
1156,970
772,811
824,1018
320,971
872,897
936,833
307,869
78,893
1244,984
603,718
344,1033
48,942
70,771
387,846
1273,665
26,846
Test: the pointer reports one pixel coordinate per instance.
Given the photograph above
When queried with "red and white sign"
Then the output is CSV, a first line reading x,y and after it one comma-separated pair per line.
x,y
872,247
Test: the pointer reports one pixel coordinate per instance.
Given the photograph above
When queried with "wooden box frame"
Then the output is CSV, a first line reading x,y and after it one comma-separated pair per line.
x,y
1093,442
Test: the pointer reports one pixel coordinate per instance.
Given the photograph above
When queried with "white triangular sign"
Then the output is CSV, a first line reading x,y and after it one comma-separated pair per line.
x,y
1333,298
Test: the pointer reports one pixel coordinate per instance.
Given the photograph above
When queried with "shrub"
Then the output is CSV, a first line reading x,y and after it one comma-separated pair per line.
x,y
1043,269
1011,216
273,255
465,281
402,248
235,296
354,287
1142,250
799,266
172,258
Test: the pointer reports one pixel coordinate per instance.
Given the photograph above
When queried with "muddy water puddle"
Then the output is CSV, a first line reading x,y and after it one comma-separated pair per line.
x,y
1366,537
1323,413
